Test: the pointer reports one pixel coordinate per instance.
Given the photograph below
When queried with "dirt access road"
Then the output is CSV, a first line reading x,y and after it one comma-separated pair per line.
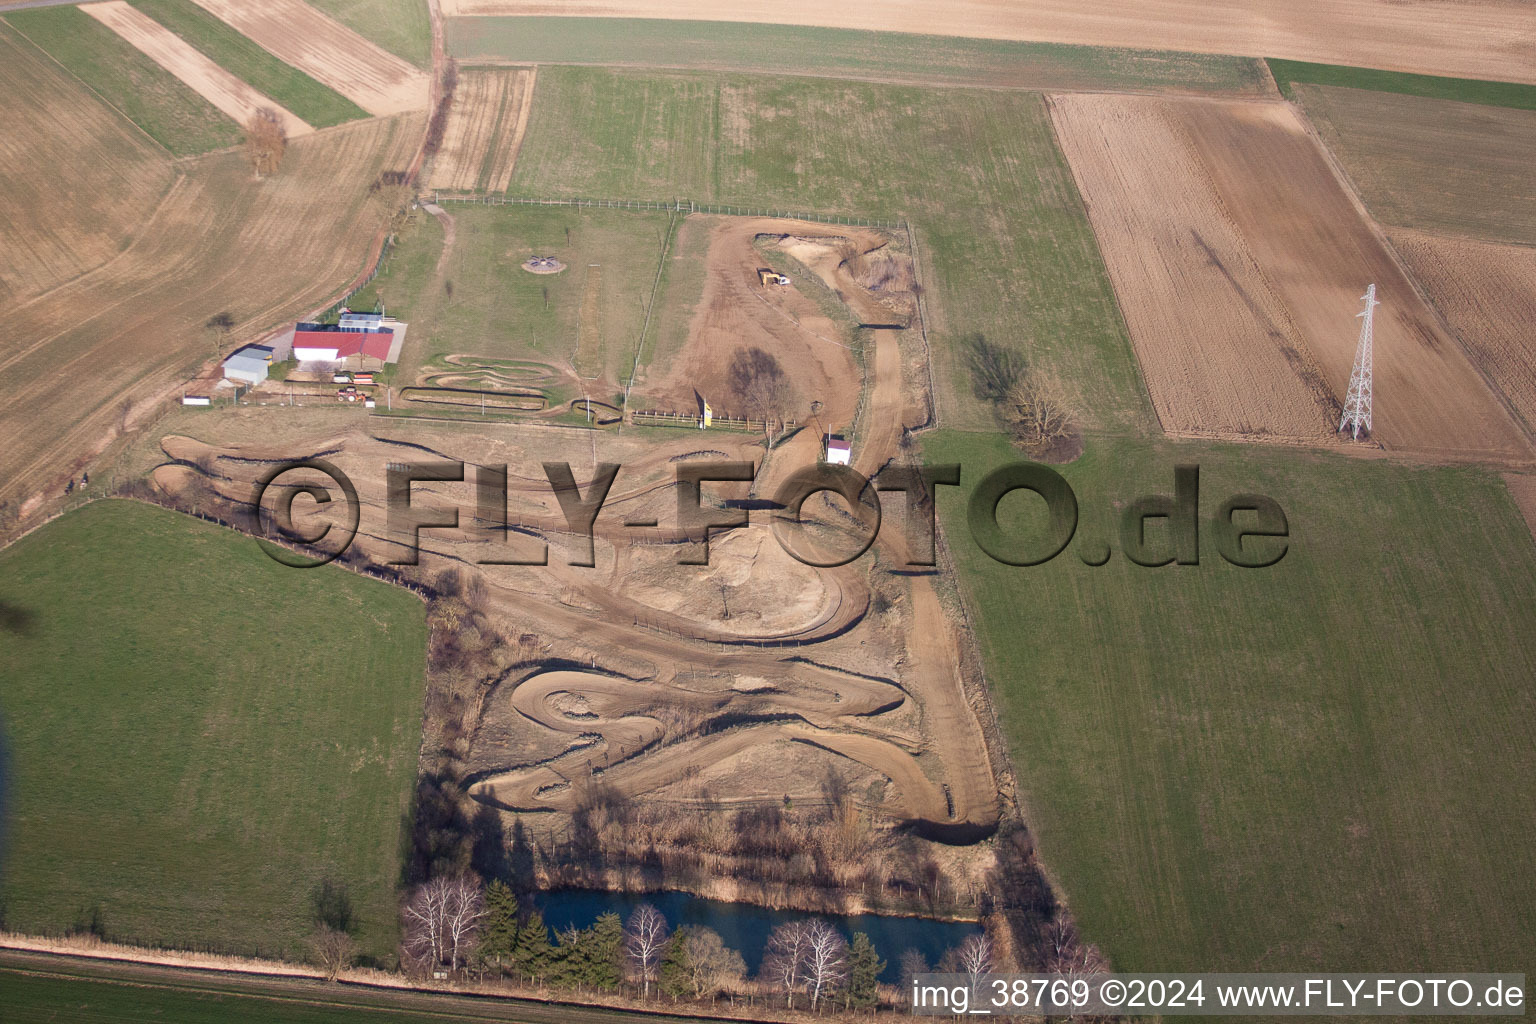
x,y
1476,39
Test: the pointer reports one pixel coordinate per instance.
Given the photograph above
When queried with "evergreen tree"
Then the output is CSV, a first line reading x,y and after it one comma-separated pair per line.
x,y
864,967
606,939
674,976
498,934
531,953
565,968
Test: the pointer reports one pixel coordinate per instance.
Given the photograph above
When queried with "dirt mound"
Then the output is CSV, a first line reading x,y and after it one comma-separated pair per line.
x,y
543,265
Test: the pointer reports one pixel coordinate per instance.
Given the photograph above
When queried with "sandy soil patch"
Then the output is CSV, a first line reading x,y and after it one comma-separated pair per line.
x,y
1239,260
1480,39
329,52
202,75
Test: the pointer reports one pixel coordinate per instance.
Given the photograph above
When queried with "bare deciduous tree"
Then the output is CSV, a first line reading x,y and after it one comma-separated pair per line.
x,y
1066,953
442,918
826,960
711,964
784,958
645,938
266,140
976,957
760,384
1037,410
332,950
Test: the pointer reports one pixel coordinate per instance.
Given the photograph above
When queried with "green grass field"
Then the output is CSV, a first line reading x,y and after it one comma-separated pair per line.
x,y
144,92
1002,232
1466,90
1313,766
843,53
58,989
318,104
198,736
498,310
399,26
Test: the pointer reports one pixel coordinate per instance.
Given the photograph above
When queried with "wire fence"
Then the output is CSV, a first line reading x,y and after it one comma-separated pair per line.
x,y
674,206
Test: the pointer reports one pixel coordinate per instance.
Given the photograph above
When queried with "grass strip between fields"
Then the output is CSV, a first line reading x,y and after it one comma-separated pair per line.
x,y
1467,90
843,53
310,100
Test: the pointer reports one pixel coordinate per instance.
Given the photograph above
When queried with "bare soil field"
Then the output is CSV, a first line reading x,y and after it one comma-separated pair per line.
x,y
1483,39
1440,165
202,75
1239,260
812,339
90,356
485,131
1487,293
69,200
328,51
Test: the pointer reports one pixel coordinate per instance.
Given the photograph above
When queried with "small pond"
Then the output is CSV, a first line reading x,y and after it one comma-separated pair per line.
x,y
745,926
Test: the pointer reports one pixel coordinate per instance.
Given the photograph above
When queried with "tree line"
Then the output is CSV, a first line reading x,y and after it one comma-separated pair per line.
x,y
457,927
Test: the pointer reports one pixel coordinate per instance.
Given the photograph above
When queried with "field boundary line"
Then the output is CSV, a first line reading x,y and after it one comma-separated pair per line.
x,y
650,306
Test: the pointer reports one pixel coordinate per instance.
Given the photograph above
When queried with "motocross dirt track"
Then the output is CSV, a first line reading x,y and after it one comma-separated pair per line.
x,y
687,668
1478,39
737,311
1239,260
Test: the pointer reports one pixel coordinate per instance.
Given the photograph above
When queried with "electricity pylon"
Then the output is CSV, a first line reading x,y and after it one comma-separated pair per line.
x,y
1357,403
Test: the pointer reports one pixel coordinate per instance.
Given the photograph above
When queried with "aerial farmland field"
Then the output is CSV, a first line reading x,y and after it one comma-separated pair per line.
x,y
213,703
517,511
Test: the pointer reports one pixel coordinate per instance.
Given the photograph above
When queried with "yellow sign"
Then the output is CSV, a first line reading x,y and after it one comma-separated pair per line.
x,y
709,416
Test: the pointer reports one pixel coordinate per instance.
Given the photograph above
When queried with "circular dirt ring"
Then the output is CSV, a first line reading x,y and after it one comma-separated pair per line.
x,y
543,265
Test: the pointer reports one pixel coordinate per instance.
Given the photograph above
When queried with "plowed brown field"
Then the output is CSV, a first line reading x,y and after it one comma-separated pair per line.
x,y
485,131
328,51
1487,293
1240,260
78,358
69,200
1471,38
